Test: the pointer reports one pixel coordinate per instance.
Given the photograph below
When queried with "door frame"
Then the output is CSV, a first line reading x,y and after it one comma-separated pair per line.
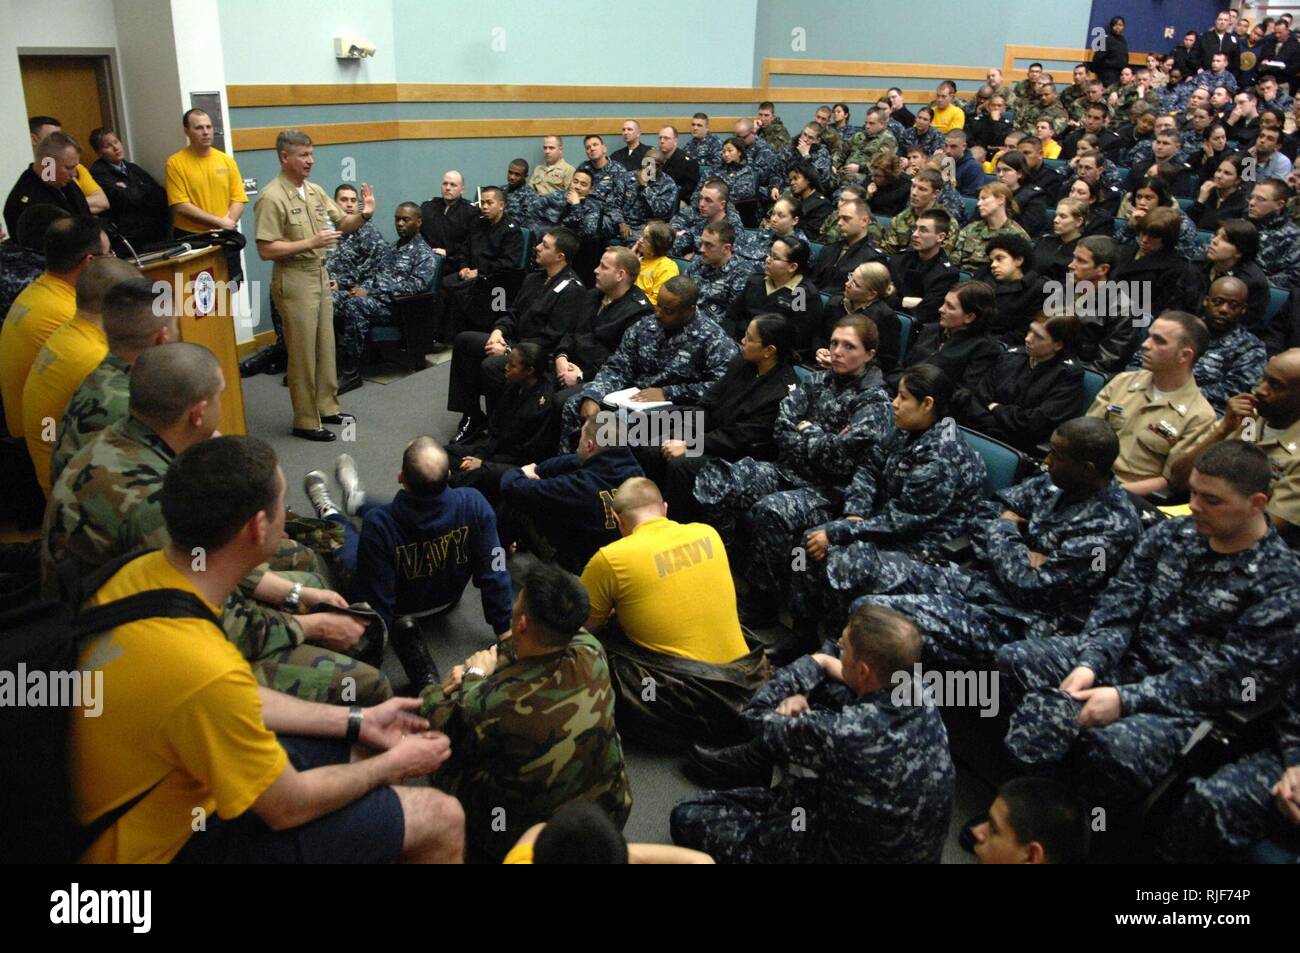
x,y
111,102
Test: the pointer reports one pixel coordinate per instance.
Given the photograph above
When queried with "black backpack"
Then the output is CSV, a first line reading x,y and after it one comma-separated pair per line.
x,y
36,819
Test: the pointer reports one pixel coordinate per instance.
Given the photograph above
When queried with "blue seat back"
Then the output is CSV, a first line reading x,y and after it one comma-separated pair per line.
x,y
1001,463
1093,382
904,337
1276,301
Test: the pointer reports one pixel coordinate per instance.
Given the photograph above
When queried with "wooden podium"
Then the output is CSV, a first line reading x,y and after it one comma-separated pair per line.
x,y
202,300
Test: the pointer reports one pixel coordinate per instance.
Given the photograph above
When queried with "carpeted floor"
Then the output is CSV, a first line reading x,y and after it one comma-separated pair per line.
x,y
390,414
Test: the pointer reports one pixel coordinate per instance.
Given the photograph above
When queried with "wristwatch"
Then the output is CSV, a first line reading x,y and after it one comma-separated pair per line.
x,y
293,599
355,714
475,671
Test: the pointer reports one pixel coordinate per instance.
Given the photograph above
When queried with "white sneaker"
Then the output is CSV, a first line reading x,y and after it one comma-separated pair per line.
x,y
354,491
317,488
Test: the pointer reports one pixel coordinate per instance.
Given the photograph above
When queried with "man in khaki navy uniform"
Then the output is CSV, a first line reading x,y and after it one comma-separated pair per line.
x,y
1269,417
1158,410
291,214
554,174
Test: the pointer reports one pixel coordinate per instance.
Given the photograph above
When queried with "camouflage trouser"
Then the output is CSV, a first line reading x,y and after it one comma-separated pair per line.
x,y
317,674
1119,763
743,826
726,489
271,640
1222,815
353,318
822,593
777,523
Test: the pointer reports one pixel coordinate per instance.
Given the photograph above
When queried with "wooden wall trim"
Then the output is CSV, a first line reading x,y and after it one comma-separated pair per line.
x,y
329,134
331,94
796,67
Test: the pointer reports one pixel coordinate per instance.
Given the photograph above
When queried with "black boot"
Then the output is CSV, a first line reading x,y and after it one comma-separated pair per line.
x,y
349,373
266,361
408,643
742,765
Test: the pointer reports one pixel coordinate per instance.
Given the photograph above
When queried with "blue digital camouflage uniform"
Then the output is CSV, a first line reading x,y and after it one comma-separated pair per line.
x,y
357,256
607,184
965,613
1232,364
913,490
718,286
950,200
1279,248
657,199
684,362
691,224
931,142
1209,80
740,179
848,416
407,268
707,151
1222,815
1140,155
758,242
819,156
769,170
594,219
1125,234
1110,177
522,206
19,267
103,398
1183,633
870,781
1193,142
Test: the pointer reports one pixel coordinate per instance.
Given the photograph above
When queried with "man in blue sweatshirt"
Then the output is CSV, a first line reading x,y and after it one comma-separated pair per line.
x,y
419,552
564,507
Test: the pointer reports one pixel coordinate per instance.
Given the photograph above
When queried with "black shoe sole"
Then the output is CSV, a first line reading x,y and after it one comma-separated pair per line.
x,y
320,436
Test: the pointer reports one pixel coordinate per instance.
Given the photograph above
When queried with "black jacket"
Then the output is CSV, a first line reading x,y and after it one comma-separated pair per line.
x,y
1032,216
988,132
544,310
801,306
448,227
1202,168
685,171
928,280
1049,180
495,248
1106,139
1209,43
1208,216
1182,185
1288,53
519,428
1031,402
813,211
965,356
630,160
740,410
137,204
31,190
596,334
1052,257
1170,275
837,260
1018,303
892,199
882,315
1108,62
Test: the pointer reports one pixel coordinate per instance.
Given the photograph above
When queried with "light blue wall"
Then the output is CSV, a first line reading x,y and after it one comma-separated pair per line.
x,y
956,32
585,42
579,42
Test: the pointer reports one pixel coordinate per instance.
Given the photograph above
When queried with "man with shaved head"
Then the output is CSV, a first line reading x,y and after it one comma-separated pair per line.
x,y
634,150
1269,417
1235,359
445,223
669,586
419,552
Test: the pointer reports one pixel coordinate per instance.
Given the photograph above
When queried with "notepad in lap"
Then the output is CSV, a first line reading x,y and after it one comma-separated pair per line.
x,y
622,400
